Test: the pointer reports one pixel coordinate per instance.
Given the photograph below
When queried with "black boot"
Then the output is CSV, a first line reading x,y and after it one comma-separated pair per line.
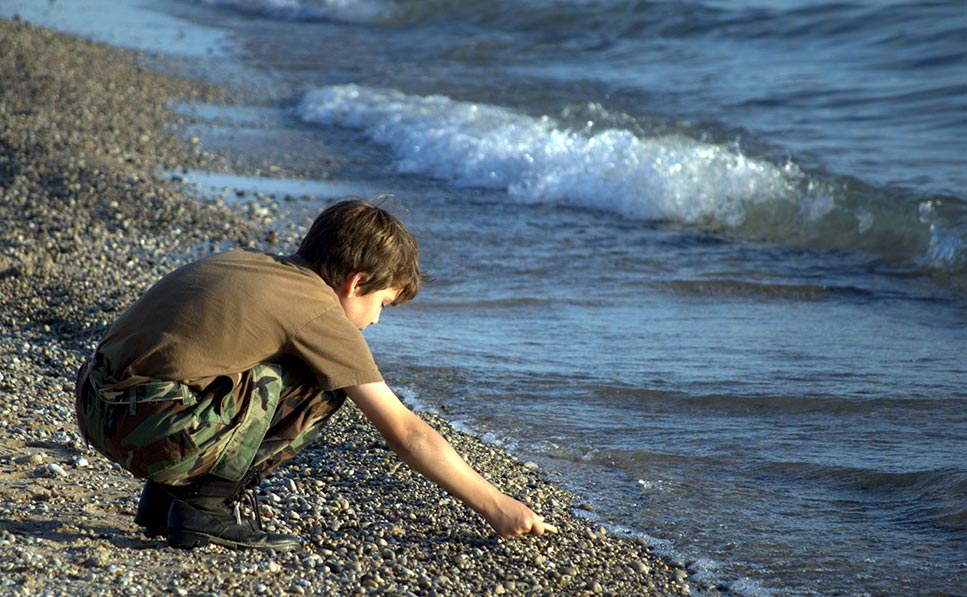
x,y
208,513
153,508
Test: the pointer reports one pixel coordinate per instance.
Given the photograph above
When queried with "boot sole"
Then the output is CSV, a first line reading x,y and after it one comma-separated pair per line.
x,y
192,539
152,533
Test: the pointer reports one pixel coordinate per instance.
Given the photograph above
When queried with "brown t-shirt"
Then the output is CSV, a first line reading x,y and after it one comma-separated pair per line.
x,y
228,312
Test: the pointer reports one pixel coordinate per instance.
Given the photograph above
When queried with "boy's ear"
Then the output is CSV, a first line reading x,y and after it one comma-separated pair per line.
x,y
351,287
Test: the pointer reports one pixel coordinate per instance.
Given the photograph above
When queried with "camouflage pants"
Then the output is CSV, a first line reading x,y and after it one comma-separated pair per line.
x,y
166,432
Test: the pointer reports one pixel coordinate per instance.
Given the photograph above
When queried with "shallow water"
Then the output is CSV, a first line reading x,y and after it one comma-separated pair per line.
x,y
795,426
699,260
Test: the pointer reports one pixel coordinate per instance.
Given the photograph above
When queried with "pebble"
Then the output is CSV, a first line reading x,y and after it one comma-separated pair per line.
x,y
30,459
50,470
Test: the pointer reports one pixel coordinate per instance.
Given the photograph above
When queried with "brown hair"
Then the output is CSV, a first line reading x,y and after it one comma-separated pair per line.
x,y
355,236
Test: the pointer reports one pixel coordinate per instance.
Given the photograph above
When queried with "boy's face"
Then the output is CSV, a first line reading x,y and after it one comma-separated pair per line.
x,y
363,309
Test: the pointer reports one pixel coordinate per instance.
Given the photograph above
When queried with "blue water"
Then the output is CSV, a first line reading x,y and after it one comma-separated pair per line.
x,y
705,262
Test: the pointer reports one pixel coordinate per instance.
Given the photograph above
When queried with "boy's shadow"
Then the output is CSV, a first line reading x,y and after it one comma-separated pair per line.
x,y
78,534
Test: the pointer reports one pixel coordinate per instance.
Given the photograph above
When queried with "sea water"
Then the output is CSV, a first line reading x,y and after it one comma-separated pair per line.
x,y
704,261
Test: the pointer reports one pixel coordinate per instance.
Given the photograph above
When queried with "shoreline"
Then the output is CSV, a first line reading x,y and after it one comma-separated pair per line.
x,y
84,130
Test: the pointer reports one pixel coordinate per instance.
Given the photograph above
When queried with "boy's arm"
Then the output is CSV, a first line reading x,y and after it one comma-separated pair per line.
x,y
421,447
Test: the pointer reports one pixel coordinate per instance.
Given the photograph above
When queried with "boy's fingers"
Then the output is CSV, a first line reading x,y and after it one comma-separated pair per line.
x,y
549,528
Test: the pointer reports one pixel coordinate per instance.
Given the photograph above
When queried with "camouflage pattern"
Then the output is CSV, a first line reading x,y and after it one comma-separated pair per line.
x,y
166,432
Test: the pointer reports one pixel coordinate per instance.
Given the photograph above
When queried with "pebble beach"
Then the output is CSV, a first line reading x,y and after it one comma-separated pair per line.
x,y
93,215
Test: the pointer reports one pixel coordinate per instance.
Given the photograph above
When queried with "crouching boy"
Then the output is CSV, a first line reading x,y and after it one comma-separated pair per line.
x,y
230,365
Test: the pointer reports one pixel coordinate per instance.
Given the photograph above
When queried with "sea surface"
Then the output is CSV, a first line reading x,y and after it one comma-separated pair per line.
x,y
703,261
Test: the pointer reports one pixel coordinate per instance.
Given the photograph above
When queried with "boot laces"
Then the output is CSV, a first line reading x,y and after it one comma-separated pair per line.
x,y
253,498
253,494
249,488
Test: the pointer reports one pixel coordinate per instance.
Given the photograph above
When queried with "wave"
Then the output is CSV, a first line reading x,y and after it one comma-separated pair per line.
x,y
460,305
941,490
911,25
666,177
774,407
347,11
921,498
934,497
805,292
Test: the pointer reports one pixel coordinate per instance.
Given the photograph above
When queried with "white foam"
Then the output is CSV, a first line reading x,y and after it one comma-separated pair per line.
x,y
948,231
348,11
538,160
669,177
411,397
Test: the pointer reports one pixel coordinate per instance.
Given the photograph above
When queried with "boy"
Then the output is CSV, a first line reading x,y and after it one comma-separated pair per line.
x,y
230,365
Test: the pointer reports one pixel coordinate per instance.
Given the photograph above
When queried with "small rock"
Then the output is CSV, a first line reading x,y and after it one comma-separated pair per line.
x,y
98,558
51,470
30,459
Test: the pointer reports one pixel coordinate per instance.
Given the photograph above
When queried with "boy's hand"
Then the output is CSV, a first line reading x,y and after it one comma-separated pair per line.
x,y
420,446
511,518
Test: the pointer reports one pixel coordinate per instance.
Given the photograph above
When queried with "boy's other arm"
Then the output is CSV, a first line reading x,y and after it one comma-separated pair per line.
x,y
430,454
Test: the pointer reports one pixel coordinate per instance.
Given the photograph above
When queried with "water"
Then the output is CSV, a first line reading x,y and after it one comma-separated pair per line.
x,y
706,262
